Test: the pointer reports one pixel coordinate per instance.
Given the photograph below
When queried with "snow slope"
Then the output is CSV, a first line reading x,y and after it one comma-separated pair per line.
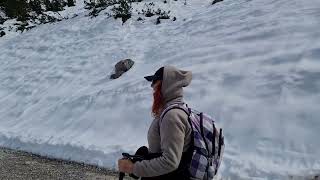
x,y
255,64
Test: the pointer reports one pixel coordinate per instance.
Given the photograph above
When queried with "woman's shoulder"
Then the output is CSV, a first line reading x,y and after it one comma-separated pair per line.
x,y
175,116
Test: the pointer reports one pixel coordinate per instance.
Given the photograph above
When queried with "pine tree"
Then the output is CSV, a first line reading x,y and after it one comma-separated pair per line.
x,y
123,11
70,3
54,5
35,5
16,9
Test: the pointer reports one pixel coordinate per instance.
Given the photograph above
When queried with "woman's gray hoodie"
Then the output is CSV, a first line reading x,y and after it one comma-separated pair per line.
x,y
172,135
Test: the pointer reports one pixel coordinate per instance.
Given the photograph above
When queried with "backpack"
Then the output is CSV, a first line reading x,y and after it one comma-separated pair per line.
x,y
207,143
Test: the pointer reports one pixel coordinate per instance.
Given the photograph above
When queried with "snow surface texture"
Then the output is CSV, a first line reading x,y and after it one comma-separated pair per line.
x,y
256,70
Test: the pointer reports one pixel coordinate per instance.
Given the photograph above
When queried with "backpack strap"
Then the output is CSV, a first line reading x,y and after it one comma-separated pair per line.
x,y
187,110
175,106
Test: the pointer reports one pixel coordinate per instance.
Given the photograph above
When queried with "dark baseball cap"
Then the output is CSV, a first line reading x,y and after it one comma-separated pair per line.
x,y
157,76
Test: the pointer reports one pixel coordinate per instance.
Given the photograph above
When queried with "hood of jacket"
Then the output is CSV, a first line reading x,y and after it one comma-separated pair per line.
x,y
173,82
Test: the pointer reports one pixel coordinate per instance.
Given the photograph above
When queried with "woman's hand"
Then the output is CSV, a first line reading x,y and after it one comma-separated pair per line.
x,y
125,165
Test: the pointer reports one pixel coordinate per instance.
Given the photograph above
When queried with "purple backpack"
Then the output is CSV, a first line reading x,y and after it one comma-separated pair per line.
x,y
208,143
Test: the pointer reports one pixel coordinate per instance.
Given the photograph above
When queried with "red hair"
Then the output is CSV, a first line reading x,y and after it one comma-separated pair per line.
x,y
157,102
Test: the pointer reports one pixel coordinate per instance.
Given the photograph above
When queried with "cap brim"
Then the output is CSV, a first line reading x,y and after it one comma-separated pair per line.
x,y
149,78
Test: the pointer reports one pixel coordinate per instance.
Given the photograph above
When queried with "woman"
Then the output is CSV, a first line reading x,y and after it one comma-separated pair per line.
x,y
169,136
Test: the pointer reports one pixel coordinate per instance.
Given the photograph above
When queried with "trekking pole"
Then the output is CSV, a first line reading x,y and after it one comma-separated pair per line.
x,y
121,175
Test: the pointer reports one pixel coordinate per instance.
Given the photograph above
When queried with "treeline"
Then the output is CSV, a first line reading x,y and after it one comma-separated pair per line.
x,y
25,9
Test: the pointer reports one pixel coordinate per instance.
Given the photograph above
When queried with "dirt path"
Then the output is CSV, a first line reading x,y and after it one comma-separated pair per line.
x,y
16,165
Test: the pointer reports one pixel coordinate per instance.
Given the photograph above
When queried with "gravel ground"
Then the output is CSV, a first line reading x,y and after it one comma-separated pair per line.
x,y
21,165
